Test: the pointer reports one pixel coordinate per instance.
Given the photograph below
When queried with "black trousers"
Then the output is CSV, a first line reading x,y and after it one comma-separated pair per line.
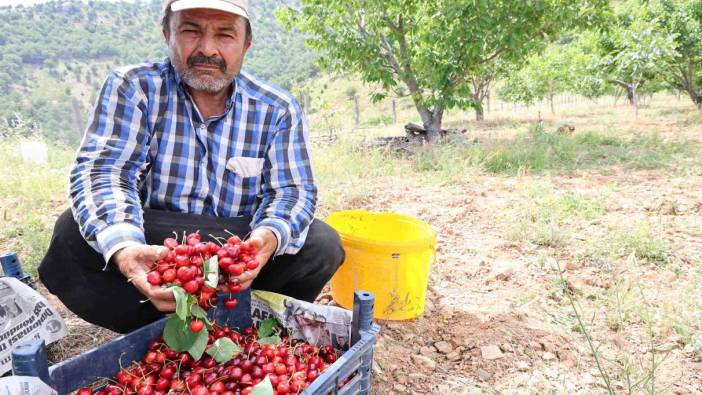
x,y
72,270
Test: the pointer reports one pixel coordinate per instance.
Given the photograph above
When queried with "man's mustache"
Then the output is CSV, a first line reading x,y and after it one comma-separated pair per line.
x,y
202,59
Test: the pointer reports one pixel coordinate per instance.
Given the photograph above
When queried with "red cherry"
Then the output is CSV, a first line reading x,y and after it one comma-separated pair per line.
x,y
168,276
196,325
170,242
191,286
230,304
153,278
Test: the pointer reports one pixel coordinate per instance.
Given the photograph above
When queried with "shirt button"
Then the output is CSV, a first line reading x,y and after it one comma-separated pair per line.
x,y
203,126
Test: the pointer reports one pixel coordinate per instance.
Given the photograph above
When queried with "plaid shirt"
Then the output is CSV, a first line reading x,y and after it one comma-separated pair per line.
x,y
147,145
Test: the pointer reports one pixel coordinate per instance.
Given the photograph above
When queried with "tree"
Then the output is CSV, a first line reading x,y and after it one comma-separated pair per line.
x,y
683,19
635,50
481,81
544,76
431,47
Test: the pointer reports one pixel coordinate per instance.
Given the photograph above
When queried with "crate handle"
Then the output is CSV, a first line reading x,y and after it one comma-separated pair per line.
x,y
30,359
363,302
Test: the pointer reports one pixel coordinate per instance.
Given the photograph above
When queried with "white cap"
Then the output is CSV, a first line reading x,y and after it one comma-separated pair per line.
x,y
237,7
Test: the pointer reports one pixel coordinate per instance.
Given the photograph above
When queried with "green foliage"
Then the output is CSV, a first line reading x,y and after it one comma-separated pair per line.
x,y
683,20
179,337
544,75
430,47
50,53
223,350
633,51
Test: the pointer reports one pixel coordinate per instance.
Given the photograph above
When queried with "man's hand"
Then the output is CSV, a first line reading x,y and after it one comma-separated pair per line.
x,y
135,262
265,243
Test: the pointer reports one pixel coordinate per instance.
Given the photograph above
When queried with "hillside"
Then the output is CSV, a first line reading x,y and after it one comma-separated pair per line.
x,y
54,57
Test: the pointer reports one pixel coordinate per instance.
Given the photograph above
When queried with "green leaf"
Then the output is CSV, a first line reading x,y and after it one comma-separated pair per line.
x,y
181,298
223,350
263,388
266,327
177,334
199,344
211,272
198,312
275,339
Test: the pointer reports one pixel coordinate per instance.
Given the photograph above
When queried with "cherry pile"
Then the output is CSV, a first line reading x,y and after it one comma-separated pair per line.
x,y
184,267
290,366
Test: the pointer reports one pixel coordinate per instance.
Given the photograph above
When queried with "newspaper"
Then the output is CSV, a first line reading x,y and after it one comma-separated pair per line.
x,y
24,385
24,315
315,324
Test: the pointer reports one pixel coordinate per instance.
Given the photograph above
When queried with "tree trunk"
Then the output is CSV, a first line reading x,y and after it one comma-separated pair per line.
x,y
481,92
635,100
479,113
630,94
394,111
357,111
431,120
550,100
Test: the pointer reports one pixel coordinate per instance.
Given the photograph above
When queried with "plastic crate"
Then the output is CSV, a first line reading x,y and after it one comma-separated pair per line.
x,y
30,359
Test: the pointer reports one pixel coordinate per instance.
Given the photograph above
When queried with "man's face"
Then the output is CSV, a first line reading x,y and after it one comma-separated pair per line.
x,y
207,47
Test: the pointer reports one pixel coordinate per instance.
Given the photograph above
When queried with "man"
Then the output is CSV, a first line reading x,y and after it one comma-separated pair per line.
x,y
190,144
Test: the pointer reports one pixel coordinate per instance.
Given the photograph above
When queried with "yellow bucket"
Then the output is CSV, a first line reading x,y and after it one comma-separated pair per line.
x,y
387,254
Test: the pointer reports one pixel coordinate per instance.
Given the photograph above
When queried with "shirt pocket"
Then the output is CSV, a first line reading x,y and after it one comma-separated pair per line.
x,y
245,167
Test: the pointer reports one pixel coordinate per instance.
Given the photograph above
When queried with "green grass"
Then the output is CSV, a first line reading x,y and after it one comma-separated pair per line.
x,y
546,212
638,241
29,195
537,151
643,244
532,152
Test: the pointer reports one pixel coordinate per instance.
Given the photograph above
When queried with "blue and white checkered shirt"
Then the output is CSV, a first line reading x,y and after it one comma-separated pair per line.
x,y
147,145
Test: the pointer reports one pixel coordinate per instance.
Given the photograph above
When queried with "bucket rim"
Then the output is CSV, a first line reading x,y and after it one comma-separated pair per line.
x,y
407,245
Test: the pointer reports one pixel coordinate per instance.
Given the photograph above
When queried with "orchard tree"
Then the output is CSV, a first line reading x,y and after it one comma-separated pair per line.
x,y
683,19
432,48
544,76
481,81
635,50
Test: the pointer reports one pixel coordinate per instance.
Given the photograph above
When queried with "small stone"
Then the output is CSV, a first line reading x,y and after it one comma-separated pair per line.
x,y
507,347
504,275
523,366
483,375
548,356
453,356
443,347
399,387
427,351
424,361
491,352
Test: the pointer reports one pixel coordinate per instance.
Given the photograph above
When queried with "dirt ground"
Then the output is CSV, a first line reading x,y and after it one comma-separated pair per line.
x,y
499,318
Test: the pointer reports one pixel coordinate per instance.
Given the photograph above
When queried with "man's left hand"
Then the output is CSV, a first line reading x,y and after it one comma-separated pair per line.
x,y
265,243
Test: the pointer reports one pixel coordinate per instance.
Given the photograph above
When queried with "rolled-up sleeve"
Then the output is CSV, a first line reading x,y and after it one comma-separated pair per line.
x,y
104,181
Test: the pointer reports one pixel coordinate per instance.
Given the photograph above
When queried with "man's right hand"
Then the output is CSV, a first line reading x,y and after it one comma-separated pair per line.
x,y
135,262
